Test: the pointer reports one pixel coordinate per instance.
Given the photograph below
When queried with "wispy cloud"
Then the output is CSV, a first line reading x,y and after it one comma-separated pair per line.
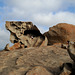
x,y
4,38
52,19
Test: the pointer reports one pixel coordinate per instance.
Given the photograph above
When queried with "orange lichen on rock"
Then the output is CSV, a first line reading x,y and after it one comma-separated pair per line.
x,y
15,46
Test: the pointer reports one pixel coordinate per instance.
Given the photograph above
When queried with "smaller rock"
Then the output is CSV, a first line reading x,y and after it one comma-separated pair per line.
x,y
15,46
38,70
71,50
66,70
65,73
64,46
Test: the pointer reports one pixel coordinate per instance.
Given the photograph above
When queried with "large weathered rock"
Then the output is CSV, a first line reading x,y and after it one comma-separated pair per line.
x,y
26,34
61,33
19,62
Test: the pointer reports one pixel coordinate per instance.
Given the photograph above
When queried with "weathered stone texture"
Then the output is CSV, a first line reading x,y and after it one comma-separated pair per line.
x,y
19,62
26,34
61,33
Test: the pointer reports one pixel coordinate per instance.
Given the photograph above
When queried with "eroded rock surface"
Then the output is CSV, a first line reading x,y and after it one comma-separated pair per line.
x,y
25,33
21,61
61,33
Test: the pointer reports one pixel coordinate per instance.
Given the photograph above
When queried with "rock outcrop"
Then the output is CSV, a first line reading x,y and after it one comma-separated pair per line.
x,y
60,33
26,34
21,61
57,59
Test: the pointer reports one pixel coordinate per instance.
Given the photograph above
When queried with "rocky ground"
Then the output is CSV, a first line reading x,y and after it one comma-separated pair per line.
x,y
34,61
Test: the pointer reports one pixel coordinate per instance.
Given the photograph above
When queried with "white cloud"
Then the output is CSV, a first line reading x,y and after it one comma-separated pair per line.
x,y
35,4
70,2
52,19
4,38
24,9
21,9
3,34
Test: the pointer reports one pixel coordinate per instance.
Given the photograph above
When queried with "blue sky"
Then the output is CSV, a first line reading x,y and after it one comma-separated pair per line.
x,y
43,13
